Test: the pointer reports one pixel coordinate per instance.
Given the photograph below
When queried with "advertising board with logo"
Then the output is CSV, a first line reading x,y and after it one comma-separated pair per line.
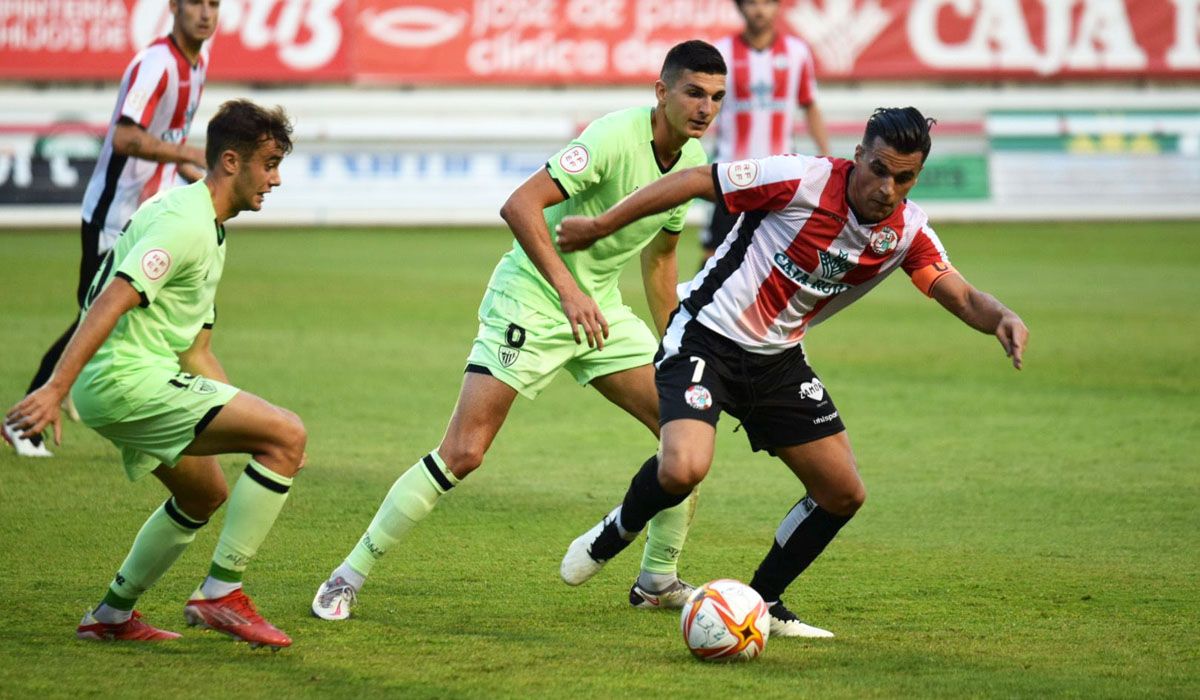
x,y
585,42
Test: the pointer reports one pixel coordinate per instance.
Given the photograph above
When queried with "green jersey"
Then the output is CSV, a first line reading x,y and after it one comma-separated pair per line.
x,y
611,158
173,253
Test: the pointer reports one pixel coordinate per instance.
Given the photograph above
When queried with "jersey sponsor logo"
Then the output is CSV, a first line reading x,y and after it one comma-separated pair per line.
x,y
814,390
884,240
155,263
507,356
574,159
794,272
698,397
834,265
743,173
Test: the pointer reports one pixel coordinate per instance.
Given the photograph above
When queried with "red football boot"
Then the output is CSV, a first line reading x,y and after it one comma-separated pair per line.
x,y
132,630
235,615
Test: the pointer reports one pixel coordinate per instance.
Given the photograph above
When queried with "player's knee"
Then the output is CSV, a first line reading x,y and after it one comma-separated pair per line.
x,y
291,439
848,500
682,470
202,505
461,459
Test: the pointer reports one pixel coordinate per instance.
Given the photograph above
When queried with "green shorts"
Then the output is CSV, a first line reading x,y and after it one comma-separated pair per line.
x,y
161,428
525,348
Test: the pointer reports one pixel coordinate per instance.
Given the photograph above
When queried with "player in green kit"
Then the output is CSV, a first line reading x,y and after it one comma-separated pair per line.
x,y
541,304
145,377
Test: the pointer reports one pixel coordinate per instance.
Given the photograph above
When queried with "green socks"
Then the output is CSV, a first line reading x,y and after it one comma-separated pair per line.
x,y
164,536
254,505
665,536
412,497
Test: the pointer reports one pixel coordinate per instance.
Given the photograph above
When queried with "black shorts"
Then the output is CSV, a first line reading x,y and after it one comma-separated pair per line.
x,y
718,228
778,399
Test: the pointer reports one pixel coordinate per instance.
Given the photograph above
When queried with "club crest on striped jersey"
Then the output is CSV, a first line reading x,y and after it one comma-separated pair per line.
x,y
743,173
698,397
574,159
155,263
884,240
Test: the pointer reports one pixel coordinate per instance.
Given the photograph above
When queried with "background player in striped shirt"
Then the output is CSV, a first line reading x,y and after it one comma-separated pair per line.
x,y
143,152
770,74
143,374
813,235
540,304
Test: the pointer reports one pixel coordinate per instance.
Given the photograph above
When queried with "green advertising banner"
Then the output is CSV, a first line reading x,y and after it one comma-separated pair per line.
x,y
953,177
1136,133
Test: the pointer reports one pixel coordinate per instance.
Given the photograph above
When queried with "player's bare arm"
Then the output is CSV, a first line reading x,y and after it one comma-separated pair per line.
x,y
130,139
580,232
660,274
190,172
199,358
984,313
816,128
523,214
40,408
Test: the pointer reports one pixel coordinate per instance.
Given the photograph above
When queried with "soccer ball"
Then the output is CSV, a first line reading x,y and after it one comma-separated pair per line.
x,y
725,620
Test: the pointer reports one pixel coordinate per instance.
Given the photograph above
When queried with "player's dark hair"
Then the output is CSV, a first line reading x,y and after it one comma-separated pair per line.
x,y
241,125
696,56
903,128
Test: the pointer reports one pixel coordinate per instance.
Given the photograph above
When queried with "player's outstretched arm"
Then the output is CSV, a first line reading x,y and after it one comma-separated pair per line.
x,y
130,139
984,313
660,274
523,212
815,120
580,232
40,408
199,358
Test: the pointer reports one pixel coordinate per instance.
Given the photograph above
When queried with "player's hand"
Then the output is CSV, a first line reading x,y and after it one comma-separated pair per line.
x,y
35,412
1013,336
582,311
577,233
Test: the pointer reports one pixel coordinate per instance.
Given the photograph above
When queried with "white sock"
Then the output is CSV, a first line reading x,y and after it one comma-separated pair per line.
x,y
349,575
110,615
216,588
656,583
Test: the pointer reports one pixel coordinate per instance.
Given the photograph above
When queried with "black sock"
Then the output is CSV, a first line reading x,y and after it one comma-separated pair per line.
x,y
646,498
46,368
801,537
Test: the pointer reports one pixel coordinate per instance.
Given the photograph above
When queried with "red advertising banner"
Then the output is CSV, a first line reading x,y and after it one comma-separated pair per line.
x,y
573,42
257,40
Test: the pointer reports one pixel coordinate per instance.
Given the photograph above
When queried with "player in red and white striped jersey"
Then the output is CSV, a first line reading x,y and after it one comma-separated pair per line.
x,y
144,152
812,236
770,75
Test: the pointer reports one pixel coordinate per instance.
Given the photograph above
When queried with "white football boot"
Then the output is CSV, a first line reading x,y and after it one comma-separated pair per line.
x,y
23,446
671,598
784,623
334,599
592,550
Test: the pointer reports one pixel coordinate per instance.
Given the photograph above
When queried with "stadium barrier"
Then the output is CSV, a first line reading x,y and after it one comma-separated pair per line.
x,y
430,157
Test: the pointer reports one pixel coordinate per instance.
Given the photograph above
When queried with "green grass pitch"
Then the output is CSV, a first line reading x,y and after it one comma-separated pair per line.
x,y
1026,534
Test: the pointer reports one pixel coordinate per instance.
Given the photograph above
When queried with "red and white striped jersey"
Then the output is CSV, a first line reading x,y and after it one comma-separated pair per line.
x,y
763,89
160,91
797,254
